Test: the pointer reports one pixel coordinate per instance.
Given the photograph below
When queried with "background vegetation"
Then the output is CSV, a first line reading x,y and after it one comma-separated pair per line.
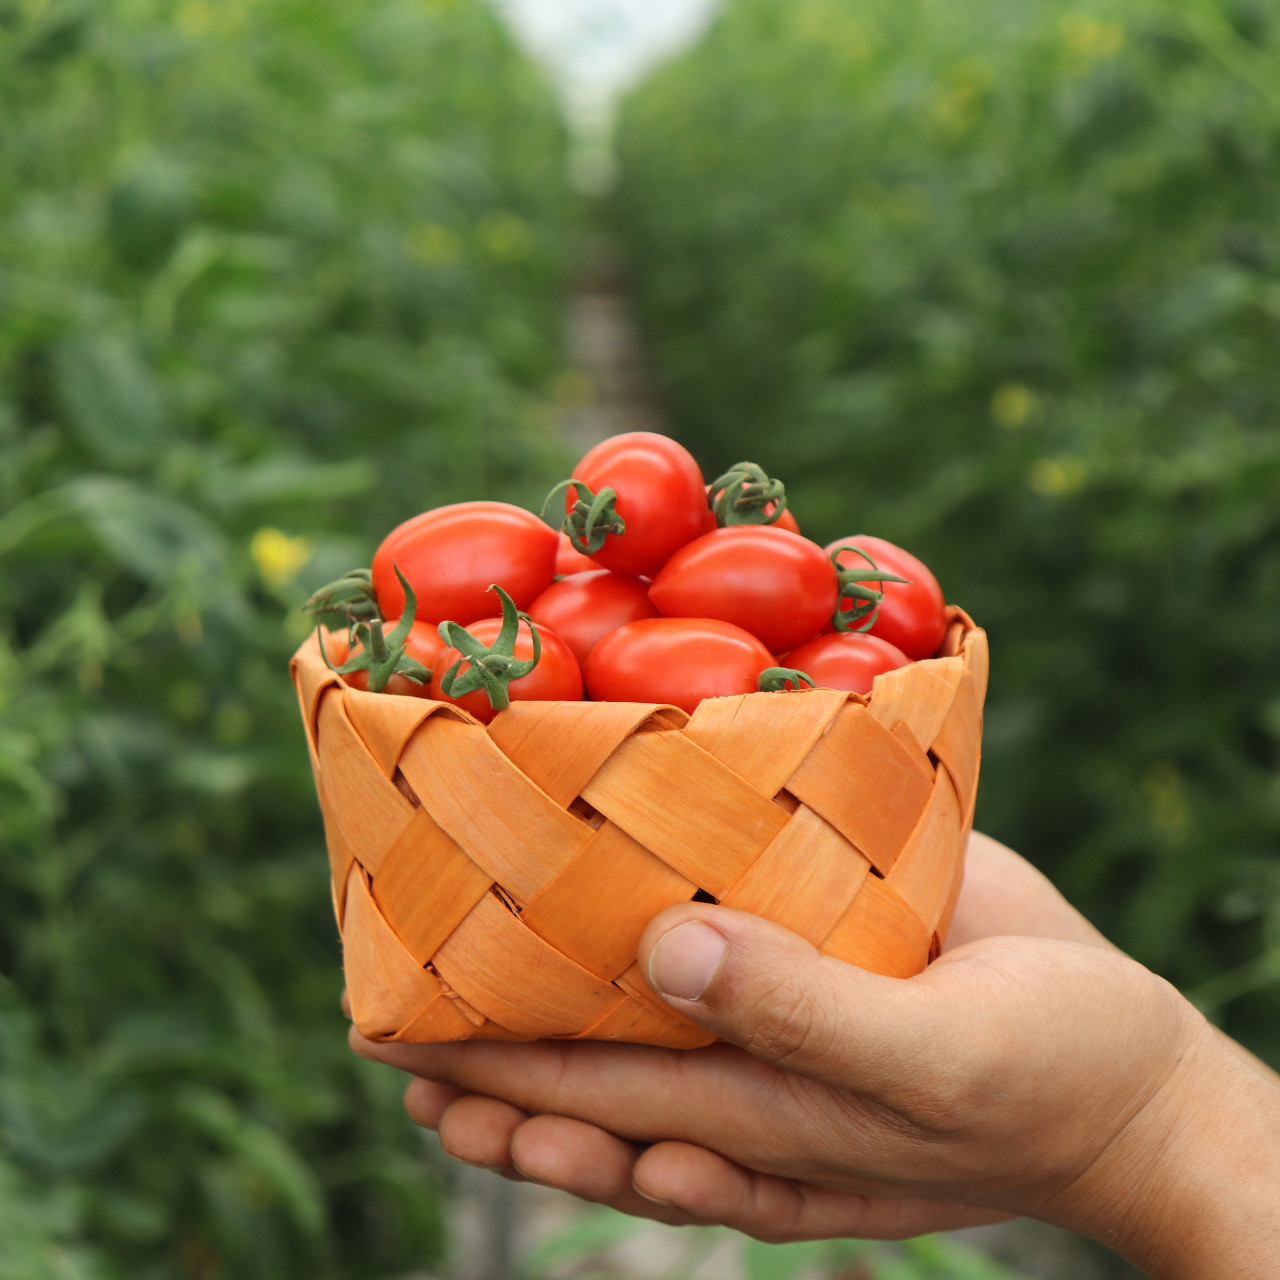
x,y
273,276
1002,282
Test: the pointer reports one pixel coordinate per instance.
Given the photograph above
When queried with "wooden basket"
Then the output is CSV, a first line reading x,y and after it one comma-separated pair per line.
x,y
494,882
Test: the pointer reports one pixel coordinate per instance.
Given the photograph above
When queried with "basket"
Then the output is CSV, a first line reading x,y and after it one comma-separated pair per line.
x,y
493,883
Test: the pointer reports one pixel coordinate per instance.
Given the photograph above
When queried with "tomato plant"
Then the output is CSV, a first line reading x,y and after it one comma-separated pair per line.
x,y
452,555
845,660
773,583
632,501
912,614
529,670
675,660
585,607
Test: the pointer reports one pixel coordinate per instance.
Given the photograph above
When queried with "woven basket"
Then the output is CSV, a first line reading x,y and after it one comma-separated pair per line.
x,y
494,882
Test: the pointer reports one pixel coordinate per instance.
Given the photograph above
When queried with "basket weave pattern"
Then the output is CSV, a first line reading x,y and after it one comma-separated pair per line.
x,y
494,882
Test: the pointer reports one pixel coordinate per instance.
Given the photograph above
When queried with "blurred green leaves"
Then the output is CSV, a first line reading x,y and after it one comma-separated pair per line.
x,y
1001,282
273,277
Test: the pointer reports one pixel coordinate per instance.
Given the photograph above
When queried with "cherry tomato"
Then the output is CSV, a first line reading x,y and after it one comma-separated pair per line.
x,y
845,660
422,644
452,555
583,608
661,497
556,678
569,561
912,614
675,660
774,583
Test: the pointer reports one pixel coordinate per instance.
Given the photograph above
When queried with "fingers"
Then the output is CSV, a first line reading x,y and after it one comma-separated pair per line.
x,y
1005,895
761,987
777,1210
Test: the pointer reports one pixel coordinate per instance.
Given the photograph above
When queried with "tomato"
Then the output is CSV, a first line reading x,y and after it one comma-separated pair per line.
x,y
773,583
422,644
845,660
570,561
556,678
583,608
452,555
662,499
912,614
675,660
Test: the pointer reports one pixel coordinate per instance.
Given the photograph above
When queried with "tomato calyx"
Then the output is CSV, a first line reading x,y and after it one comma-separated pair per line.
x,y
382,656
591,519
747,494
853,587
490,667
351,595
782,680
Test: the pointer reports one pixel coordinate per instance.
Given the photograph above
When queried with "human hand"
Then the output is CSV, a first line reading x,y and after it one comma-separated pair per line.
x,y
1017,1075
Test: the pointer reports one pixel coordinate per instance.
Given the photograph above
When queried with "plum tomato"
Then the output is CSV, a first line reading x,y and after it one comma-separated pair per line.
x,y
423,644
661,498
777,585
586,606
452,555
675,660
556,678
570,561
913,614
845,660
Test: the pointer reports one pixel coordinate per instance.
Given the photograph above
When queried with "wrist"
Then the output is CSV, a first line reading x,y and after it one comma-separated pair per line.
x,y
1189,1189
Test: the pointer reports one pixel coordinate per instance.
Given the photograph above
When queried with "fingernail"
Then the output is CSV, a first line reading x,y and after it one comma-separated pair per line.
x,y
685,960
652,1199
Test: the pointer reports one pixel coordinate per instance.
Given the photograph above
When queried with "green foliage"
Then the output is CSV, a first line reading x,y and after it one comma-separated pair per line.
x,y
596,1231
1002,282
273,277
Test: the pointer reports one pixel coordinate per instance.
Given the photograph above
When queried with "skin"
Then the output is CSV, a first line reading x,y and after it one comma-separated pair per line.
x,y
1032,1070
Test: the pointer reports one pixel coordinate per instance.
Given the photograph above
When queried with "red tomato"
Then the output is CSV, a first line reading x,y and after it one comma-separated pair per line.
x,y
452,555
661,497
569,561
774,583
422,644
845,660
583,608
556,678
913,614
675,660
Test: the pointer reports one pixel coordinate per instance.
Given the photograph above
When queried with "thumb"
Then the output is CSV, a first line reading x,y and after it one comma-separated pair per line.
x,y
759,986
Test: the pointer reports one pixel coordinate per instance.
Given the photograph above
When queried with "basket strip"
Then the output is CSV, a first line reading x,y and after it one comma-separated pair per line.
x,y
511,975
922,874
548,745
720,823
386,724
685,1034
875,808
567,911
387,986
439,1020
367,808
640,1024
764,740
805,880
506,825
427,885
918,696
959,742
880,932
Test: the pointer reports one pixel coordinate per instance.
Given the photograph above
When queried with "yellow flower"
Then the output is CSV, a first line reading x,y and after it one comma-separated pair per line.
x,y
278,556
434,243
1055,477
1091,37
1012,404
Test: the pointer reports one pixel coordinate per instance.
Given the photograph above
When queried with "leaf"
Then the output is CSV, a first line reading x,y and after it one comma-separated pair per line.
x,y
145,531
110,398
264,1152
